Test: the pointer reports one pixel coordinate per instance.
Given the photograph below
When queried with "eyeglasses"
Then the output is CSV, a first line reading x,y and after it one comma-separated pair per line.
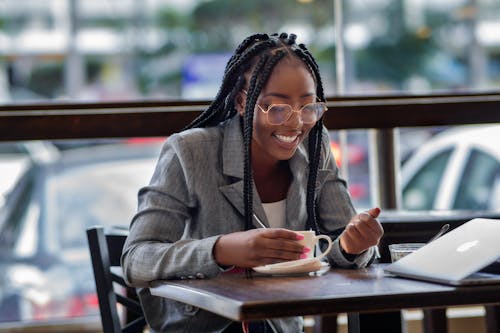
x,y
278,114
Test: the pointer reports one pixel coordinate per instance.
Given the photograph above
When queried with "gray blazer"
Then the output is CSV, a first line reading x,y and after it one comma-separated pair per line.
x,y
196,195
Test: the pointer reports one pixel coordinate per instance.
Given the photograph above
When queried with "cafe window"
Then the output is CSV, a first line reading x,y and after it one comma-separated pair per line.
x,y
122,50
115,50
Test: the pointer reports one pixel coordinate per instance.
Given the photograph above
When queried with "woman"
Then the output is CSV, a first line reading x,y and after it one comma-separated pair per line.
x,y
259,152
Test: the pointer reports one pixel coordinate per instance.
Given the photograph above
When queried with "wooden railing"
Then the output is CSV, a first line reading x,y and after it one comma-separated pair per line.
x,y
160,118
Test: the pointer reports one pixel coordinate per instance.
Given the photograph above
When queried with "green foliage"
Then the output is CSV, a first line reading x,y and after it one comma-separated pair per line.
x,y
151,78
168,18
325,53
219,19
93,67
393,60
148,78
148,81
326,59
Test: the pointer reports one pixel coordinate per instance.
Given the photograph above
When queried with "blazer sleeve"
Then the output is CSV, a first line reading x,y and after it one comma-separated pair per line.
x,y
155,248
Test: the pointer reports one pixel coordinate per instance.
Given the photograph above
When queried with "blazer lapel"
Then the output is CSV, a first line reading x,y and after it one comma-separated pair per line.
x,y
234,194
232,168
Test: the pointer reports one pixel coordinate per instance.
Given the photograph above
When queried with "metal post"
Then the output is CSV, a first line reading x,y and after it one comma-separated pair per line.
x,y
74,69
341,81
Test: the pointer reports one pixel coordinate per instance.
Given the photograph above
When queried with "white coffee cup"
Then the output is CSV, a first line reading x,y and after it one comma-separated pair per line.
x,y
311,240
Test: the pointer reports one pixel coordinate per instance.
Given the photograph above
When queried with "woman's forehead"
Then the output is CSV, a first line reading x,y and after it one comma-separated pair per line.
x,y
290,78
290,64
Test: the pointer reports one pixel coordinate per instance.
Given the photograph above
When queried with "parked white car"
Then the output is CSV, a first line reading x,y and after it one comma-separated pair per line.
x,y
15,158
42,232
457,169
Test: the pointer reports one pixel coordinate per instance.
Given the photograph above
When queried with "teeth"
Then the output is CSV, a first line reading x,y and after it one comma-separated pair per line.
x,y
287,139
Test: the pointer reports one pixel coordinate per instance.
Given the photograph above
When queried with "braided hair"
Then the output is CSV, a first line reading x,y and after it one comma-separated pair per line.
x,y
259,54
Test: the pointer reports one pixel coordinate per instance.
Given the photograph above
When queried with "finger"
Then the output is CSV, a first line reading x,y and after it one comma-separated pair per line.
x,y
371,222
285,245
373,212
283,254
354,232
377,227
371,225
369,233
267,253
281,233
363,236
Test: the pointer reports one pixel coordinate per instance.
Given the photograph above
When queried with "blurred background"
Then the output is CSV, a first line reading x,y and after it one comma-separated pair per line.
x,y
77,51
130,49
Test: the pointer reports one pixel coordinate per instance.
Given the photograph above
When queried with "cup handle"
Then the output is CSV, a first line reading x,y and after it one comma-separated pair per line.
x,y
330,243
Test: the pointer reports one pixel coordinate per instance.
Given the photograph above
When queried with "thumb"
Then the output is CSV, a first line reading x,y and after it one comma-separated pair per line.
x,y
374,212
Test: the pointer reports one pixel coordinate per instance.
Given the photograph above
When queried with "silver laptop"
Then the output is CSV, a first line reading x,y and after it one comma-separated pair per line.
x,y
455,258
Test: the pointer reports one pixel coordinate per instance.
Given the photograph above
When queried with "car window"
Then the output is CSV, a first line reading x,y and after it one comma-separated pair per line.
x,y
477,186
107,196
421,190
495,194
14,213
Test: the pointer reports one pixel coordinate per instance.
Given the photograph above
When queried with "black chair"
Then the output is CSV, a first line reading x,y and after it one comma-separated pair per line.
x,y
105,251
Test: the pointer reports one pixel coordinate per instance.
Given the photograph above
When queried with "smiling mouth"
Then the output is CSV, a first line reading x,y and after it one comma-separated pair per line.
x,y
286,139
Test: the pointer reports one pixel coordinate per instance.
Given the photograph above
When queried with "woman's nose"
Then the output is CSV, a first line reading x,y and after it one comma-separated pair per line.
x,y
294,120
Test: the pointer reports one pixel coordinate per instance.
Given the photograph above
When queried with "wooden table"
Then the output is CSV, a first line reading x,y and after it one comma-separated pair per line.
x,y
337,291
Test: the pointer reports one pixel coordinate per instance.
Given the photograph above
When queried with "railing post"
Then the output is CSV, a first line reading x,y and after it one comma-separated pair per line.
x,y
384,168
385,163
384,186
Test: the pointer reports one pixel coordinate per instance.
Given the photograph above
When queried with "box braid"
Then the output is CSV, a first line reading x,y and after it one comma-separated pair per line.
x,y
259,54
314,140
265,67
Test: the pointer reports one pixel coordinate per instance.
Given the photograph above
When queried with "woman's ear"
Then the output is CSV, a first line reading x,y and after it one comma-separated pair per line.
x,y
240,103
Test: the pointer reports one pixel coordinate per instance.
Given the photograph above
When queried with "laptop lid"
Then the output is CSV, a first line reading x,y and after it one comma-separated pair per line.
x,y
455,256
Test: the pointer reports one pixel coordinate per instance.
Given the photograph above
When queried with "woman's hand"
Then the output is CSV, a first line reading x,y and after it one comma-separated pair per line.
x,y
258,247
362,232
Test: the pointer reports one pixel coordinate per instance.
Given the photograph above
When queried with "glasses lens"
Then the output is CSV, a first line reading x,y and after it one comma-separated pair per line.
x,y
278,114
312,112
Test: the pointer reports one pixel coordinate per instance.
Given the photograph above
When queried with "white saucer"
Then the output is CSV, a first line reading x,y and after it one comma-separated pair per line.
x,y
299,266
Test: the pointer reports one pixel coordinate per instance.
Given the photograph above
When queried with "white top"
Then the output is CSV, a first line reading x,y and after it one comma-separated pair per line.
x,y
276,213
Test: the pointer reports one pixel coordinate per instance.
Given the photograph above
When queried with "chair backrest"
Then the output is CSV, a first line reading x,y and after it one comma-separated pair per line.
x,y
105,252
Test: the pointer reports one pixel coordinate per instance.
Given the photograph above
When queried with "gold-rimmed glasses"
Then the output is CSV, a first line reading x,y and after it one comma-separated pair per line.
x,y
278,114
